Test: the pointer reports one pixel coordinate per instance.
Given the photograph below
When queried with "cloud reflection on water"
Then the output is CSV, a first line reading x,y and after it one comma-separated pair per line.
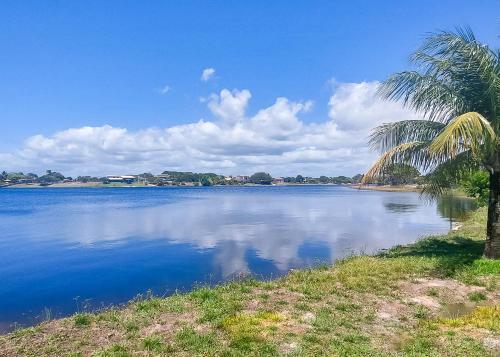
x,y
277,226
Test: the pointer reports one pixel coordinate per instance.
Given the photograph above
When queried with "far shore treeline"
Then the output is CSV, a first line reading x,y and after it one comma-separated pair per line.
x,y
399,174
474,185
169,178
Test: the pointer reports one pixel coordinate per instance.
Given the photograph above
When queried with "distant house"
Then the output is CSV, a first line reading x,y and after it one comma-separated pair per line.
x,y
123,178
278,180
241,178
164,179
129,178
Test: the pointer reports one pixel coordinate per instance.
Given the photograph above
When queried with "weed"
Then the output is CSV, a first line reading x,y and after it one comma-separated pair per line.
x,y
302,306
153,343
116,350
190,340
82,319
421,312
476,296
131,326
433,292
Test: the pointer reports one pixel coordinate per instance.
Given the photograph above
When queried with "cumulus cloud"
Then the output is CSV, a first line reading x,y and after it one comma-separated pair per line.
x,y
229,105
355,106
207,74
274,139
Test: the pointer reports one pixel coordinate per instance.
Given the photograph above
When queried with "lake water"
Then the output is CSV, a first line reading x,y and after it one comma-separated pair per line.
x,y
61,249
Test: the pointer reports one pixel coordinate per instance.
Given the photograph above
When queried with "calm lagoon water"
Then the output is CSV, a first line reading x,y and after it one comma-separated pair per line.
x,y
61,249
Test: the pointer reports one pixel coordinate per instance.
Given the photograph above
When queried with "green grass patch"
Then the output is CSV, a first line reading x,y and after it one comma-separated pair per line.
x,y
82,319
131,326
421,312
376,275
189,340
485,267
26,332
476,296
250,334
218,303
251,325
155,305
433,292
153,343
115,350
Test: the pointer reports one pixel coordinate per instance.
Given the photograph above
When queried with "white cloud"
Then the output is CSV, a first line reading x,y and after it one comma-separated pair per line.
x,y
207,74
355,106
274,139
164,90
229,105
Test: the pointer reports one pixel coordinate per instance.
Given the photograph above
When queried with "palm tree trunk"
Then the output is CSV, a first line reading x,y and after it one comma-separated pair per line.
x,y
492,248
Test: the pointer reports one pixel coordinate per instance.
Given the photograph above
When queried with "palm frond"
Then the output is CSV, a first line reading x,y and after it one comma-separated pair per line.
x,y
448,174
460,47
413,153
455,74
461,61
469,131
389,135
426,94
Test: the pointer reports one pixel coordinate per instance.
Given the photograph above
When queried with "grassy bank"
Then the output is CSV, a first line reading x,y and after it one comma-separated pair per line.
x,y
437,297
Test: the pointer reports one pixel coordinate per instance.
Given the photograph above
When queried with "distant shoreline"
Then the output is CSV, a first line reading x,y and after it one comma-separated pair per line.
x,y
385,188
388,188
135,185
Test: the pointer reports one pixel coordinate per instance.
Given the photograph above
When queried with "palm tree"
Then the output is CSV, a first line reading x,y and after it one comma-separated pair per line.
x,y
455,87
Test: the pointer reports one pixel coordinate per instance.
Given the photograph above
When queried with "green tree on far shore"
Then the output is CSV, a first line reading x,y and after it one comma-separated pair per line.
x,y
299,179
399,174
261,178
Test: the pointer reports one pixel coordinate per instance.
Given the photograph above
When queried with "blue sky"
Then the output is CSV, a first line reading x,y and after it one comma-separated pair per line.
x,y
74,64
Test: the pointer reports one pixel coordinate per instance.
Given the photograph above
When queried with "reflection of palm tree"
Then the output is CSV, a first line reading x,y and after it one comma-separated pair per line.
x,y
455,208
457,88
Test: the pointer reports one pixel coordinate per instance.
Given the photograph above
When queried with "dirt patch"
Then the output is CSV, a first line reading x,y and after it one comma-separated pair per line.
x,y
270,299
391,310
492,343
440,298
167,324
437,297
435,294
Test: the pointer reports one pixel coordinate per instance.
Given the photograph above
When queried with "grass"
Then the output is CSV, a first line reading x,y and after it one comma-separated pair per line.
x,y
153,344
477,296
82,320
385,305
487,317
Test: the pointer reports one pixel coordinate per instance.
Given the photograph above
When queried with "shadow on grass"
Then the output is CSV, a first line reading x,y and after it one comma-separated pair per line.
x,y
452,253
